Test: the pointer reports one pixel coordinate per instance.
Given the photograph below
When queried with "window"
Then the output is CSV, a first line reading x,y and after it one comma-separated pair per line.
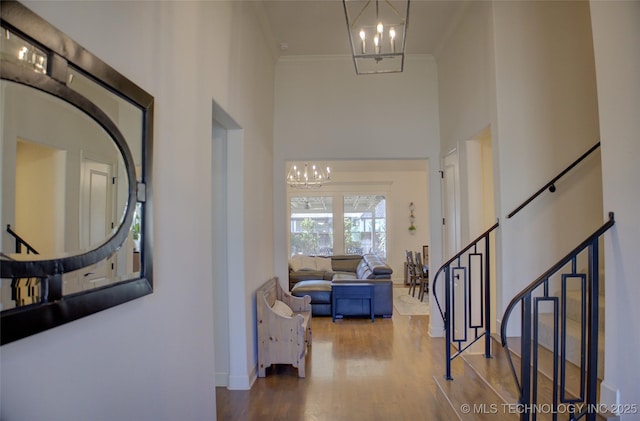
x,y
312,225
362,216
365,224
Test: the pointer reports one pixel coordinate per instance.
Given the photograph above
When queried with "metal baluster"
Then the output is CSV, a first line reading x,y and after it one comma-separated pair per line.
x,y
487,298
447,321
592,352
525,363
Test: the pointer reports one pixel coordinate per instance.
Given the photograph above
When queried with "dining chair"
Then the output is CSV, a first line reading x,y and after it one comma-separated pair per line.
x,y
412,274
422,278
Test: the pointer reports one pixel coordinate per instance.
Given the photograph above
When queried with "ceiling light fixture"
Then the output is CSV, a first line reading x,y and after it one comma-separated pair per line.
x,y
308,176
377,32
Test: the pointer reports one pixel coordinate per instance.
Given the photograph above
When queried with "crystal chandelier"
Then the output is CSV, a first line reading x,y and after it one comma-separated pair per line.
x,y
377,32
308,176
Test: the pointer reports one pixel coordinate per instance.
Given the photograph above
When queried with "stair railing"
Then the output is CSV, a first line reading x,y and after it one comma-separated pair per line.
x,y
21,242
551,185
24,291
474,279
535,300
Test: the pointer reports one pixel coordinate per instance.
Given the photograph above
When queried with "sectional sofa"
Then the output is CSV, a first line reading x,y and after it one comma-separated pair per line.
x,y
320,273
338,267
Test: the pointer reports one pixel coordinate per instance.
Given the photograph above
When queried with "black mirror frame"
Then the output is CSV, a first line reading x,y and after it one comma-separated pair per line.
x,y
56,309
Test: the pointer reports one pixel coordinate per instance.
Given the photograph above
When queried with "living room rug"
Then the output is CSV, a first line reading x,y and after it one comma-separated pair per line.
x,y
407,305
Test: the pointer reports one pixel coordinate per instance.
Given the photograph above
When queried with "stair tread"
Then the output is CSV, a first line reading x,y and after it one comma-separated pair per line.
x,y
576,294
573,329
469,388
573,351
496,372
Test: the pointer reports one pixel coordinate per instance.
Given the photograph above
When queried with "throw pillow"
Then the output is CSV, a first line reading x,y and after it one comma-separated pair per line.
x,y
296,262
308,263
282,309
323,264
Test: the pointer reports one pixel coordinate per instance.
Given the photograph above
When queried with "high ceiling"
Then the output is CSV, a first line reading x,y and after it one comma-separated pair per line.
x,y
318,27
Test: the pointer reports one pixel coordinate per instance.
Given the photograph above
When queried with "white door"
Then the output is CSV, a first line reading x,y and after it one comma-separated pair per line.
x,y
451,205
96,203
451,237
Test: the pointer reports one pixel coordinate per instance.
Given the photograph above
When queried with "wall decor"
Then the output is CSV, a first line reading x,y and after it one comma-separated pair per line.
x,y
412,218
76,177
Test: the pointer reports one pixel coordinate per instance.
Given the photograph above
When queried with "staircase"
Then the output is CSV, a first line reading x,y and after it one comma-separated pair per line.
x,y
467,299
546,324
554,369
484,387
574,304
24,291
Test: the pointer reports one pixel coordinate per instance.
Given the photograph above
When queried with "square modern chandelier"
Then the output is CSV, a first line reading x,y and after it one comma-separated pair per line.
x,y
377,34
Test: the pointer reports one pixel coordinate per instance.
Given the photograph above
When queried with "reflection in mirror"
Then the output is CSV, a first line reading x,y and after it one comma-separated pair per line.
x,y
47,160
18,51
125,115
75,167
125,264
61,194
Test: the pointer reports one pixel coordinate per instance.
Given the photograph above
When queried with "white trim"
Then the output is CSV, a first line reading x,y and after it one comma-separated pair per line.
x,y
239,383
609,394
435,331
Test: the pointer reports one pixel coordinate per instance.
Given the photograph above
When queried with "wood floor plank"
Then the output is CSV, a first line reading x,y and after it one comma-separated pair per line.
x,y
387,370
356,370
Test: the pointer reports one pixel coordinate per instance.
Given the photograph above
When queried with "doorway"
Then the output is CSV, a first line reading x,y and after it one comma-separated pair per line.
x,y
450,205
228,285
97,210
480,199
468,211
41,178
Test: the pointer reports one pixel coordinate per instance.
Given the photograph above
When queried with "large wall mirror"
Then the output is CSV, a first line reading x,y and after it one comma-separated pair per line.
x,y
75,177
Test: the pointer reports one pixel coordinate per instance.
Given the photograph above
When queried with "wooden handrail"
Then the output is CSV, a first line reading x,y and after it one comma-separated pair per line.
x,y
551,184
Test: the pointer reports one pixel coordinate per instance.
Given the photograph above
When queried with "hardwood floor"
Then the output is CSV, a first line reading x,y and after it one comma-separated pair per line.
x,y
392,370
358,370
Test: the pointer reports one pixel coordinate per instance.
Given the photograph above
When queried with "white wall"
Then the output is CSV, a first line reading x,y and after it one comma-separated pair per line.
x,y
526,70
153,358
466,84
466,80
547,116
616,31
324,111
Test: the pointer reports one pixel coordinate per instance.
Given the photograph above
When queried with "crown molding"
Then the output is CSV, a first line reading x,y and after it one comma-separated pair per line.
x,y
341,57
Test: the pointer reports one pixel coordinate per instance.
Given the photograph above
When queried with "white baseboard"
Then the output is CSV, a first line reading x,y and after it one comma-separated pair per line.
x,y
241,382
609,398
222,379
609,394
436,331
